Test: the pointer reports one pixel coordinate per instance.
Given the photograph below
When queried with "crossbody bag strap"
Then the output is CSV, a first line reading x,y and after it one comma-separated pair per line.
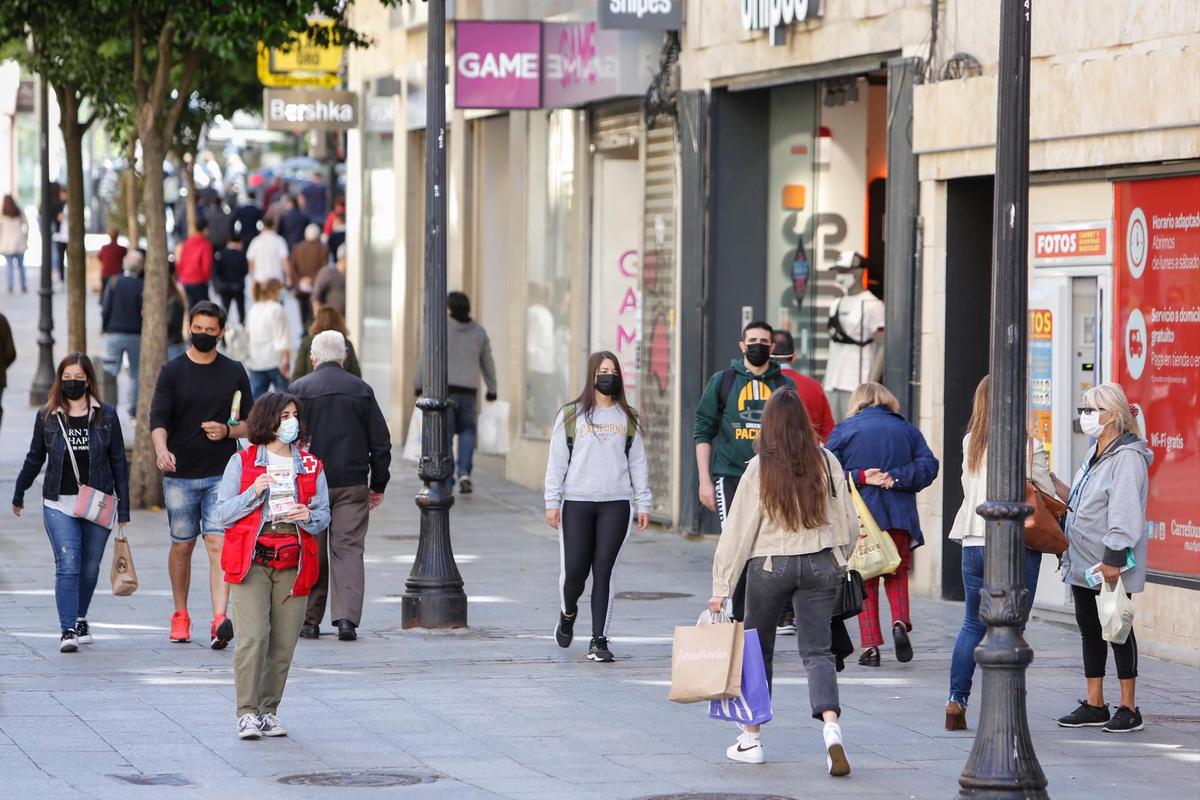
x,y
70,452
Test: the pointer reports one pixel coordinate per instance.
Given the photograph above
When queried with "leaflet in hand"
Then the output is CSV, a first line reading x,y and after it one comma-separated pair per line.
x,y
281,497
1095,577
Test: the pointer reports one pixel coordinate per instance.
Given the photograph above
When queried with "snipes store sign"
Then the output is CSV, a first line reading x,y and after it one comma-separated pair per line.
x,y
775,15
304,110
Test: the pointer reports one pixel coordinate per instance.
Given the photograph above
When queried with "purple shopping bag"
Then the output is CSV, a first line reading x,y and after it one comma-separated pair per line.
x,y
754,706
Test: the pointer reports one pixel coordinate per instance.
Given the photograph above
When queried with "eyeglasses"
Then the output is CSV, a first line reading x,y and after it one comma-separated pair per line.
x,y
1086,410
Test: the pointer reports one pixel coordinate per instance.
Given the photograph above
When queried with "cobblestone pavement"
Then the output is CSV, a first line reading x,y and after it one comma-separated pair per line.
x,y
496,710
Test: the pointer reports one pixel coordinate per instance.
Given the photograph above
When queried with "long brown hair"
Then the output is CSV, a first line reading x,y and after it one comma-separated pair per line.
x,y
978,426
793,482
10,208
585,403
328,318
54,398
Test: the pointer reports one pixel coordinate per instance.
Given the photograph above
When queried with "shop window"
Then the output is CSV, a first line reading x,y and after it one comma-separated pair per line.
x,y
550,249
379,236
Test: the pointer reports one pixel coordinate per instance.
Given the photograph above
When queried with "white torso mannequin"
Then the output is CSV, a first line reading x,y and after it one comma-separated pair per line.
x,y
861,315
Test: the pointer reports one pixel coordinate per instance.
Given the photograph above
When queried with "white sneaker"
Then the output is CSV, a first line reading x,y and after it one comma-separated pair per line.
x,y
269,725
249,727
747,749
836,758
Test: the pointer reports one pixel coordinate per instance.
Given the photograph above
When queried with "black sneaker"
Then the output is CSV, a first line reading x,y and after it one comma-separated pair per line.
x,y
564,632
1086,716
1126,720
464,485
598,651
83,634
904,651
69,643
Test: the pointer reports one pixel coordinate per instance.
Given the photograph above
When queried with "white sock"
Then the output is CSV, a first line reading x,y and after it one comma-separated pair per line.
x,y
751,737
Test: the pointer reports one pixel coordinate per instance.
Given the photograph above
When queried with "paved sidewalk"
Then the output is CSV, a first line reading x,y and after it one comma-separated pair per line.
x,y
498,710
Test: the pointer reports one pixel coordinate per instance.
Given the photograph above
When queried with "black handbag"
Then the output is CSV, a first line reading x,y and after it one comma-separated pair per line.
x,y
850,596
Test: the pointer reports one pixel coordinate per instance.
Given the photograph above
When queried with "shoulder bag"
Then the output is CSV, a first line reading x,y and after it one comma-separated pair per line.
x,y
1043,528
91,503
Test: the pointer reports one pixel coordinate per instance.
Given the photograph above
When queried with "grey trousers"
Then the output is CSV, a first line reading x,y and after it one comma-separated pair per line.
x,y
811,581
839,403
341,549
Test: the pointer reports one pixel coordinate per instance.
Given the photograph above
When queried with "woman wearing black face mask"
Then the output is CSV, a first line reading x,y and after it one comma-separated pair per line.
x,y
81,439
596,481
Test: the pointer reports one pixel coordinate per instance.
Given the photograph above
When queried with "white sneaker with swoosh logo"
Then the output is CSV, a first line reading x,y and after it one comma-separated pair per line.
x,y
747,749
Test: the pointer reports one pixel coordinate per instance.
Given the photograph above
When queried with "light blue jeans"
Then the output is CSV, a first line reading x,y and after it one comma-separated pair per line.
x,y
962,663
16,262
78,547
116,346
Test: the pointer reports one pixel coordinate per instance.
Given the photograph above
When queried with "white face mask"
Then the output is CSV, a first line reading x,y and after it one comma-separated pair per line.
x,y
1089,423
844,280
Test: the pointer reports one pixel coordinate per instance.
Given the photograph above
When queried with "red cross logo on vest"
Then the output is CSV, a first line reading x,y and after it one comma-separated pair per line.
x,y
309,462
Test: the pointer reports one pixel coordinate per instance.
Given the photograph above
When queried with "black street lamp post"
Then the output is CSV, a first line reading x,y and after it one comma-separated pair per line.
x,y
44,376
434,596
1002,763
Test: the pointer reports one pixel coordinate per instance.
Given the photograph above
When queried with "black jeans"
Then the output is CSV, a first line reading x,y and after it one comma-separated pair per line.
x,y
1095,649
229,297
811,581
591,536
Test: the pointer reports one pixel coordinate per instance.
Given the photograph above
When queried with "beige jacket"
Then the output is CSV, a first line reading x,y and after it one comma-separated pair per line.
x,y
968,526
749,533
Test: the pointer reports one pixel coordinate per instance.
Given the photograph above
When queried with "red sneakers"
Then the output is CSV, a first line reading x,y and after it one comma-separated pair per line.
x,y
181,627
221,631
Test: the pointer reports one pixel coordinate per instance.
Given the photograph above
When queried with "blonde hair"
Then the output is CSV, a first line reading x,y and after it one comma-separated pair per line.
x,y
872,394
267,289
978,426
1111,397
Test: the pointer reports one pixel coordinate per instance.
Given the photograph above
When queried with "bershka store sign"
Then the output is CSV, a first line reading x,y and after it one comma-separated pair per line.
x,y
498,65
1157,286
304,110
775,15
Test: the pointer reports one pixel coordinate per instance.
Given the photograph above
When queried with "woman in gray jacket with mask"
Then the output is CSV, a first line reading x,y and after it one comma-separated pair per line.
x,y
1106,522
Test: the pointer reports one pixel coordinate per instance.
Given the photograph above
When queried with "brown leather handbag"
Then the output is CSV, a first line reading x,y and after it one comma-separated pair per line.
x,y
1043,528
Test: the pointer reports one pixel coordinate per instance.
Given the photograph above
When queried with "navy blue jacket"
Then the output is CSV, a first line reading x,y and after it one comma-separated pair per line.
x,y
108,471
877,437
121,305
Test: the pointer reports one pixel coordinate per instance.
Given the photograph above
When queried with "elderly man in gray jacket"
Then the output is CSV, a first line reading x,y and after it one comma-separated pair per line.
x,y
469,354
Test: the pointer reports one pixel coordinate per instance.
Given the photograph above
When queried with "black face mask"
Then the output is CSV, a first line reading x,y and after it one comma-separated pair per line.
x,y
73,390
204,342
758,354
608,385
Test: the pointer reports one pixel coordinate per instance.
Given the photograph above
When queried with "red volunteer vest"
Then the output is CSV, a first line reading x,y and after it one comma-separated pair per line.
x,y
238,550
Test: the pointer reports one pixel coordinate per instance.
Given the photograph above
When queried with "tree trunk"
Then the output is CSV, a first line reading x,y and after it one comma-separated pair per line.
x,y
145,485
76,274
189,180
132,228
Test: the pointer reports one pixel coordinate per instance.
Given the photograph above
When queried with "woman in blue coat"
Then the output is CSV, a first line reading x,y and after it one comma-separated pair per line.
x,y
888,460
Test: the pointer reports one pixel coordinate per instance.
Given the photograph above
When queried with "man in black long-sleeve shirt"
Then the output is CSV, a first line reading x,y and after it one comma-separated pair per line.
x,y
347,431
194,423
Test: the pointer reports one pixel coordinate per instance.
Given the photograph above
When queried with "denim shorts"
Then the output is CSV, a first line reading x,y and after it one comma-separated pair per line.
x,y
191,507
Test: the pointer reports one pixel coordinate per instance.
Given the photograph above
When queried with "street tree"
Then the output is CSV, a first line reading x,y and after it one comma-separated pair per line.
x,y
59,47
163,46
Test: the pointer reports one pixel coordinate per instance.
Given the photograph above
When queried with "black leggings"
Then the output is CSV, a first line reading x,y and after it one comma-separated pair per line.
x,y
591,536
1095,649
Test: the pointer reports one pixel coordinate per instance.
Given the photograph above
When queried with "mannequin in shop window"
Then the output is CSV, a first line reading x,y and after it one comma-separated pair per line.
x,y
856,321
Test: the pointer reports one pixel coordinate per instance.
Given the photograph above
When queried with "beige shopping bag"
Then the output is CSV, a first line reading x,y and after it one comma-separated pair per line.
x,y
124,576
874,553
706,662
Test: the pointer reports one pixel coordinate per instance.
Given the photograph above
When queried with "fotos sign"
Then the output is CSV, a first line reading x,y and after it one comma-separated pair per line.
x,y
498,65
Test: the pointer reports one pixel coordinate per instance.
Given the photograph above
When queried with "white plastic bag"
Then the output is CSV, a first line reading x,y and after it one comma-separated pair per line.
x,y
412,445
1116,612
492,428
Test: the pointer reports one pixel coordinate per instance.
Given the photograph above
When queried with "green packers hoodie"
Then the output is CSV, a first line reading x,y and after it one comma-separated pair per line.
x,y
731,430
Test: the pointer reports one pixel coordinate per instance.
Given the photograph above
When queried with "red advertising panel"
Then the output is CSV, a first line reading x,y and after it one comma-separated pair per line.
x,y
1157,352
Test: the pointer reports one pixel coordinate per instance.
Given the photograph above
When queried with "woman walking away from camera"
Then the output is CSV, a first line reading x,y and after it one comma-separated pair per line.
x,y
888,460
327,318
79,438
1106,524
268,339
596,481
969,531
793,521
14,238
272,500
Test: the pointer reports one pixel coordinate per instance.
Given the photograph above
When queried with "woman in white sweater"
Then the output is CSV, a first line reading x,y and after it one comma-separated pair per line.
x,y
596,481
969,530
268,340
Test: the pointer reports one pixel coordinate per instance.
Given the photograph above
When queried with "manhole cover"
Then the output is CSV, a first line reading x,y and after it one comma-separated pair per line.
x,y
348,778
652,596
717,796
154,780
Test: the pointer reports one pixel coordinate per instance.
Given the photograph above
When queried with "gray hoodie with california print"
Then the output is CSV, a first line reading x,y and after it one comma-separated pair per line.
x,y
1108,512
